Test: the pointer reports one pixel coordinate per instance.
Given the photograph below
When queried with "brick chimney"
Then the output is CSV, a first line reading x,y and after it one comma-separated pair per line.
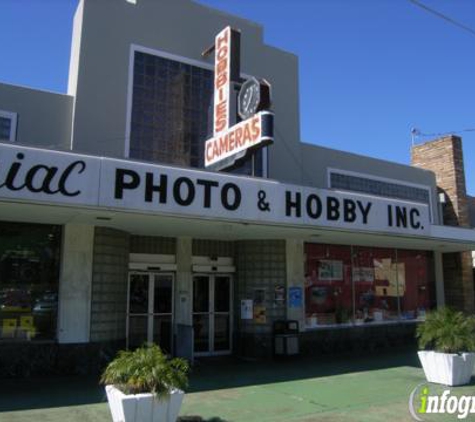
x,y
444,157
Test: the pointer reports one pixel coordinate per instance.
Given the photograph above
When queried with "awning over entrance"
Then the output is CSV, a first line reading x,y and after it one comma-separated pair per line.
x,y
448,239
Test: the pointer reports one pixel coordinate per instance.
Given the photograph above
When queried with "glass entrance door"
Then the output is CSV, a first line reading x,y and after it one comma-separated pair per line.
x,y
212,314
150,310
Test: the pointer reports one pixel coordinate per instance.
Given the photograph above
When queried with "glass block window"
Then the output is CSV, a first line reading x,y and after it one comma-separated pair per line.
x,y
172,113
8,126
378,187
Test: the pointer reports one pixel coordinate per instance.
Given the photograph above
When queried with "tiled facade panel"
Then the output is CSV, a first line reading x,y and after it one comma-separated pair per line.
x,y
213,248
109,284
153,245
260,266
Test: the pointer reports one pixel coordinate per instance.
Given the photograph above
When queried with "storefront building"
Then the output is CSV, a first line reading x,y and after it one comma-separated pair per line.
x,y
112,233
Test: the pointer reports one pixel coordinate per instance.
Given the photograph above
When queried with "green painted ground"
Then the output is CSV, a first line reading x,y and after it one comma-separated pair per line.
x,y
343,389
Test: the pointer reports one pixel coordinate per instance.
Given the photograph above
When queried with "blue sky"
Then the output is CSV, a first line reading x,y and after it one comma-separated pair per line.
x,y
370,70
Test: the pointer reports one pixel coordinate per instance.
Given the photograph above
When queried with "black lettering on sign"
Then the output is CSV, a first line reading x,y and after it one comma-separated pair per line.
x,y
208,184
178,191
66,173
292,204
151,188
414,215
125,179
45,185
40,177
401,217
333,208
11,175
349,208
225,201
314,206
364,210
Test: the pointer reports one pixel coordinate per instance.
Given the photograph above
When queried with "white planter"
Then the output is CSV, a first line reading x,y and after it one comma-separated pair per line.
x,y
143,407
447,369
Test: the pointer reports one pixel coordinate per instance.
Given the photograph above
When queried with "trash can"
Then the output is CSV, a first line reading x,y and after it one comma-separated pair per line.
x,y
286,338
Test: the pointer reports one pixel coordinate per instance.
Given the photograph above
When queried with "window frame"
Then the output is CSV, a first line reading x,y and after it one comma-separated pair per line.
x,y
333,170
137,48
13,119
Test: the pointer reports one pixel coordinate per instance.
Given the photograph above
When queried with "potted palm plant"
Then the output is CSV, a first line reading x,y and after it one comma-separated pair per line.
x,y
448,338
145,386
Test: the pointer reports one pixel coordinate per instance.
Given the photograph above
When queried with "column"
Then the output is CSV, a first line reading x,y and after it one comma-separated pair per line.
x,y
294,252
75,284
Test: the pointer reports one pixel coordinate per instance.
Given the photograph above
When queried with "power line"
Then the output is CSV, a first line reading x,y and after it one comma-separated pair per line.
x,y
442,16
445,133
416,134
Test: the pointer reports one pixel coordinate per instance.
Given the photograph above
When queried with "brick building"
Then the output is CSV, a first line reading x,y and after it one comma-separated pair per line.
x,y
445,158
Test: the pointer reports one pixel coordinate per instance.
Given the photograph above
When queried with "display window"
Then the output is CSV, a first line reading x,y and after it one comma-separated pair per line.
x,y
419,293
328,286
29,275
375,278
366,285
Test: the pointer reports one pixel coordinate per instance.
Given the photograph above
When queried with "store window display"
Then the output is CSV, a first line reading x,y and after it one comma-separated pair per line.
x,y
419,293
363,285
377,285
328,287
29,274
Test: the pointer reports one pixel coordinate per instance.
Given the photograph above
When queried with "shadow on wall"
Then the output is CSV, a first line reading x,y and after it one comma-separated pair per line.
x,y
450,216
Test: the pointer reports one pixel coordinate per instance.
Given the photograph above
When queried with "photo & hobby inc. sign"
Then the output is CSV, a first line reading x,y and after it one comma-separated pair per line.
x,y
40,176
231,139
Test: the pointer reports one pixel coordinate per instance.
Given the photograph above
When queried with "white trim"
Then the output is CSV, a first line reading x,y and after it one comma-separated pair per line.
x,y
151,267
228,269
13,125
128,111
331,170
206,260
170,56
152,259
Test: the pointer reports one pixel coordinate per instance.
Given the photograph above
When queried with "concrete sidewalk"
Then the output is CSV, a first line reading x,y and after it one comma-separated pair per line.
x,y
342,389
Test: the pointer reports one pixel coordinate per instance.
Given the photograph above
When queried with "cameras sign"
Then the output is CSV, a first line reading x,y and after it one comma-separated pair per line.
x,y
257,130
226,70
232,140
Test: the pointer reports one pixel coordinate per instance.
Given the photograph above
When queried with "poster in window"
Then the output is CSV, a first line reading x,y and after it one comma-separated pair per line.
x,y
329,270
260,314
394,274
363,274
246,309
295,297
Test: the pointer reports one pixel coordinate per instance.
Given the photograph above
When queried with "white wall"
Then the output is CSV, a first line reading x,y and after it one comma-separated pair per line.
x,y
75,284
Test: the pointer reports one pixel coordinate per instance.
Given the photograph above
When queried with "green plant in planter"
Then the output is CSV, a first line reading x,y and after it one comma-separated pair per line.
x,y
447,331
146,370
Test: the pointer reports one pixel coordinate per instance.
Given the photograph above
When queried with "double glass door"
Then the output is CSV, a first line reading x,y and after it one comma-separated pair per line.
x,y
150,310
212,314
